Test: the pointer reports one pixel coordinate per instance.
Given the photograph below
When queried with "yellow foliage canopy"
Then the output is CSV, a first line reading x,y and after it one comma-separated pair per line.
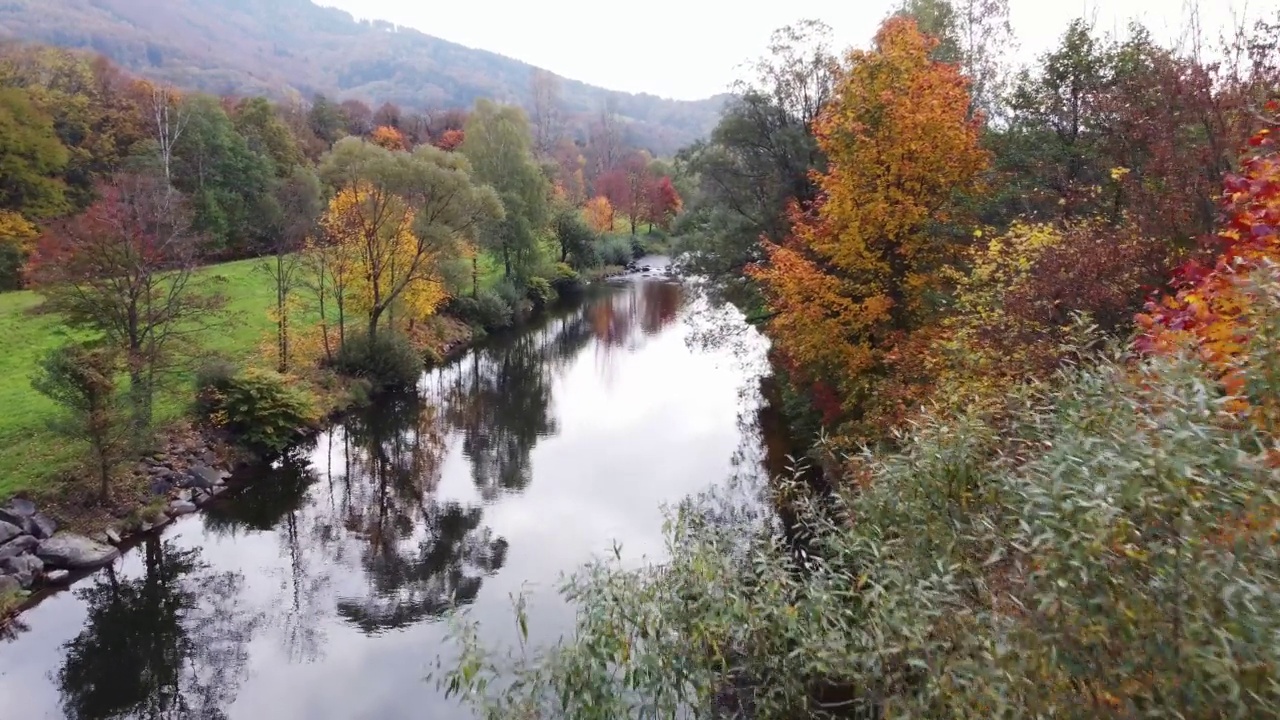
x,y
862,266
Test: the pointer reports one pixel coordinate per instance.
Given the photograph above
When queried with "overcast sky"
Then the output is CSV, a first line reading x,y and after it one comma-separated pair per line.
x,y
691,49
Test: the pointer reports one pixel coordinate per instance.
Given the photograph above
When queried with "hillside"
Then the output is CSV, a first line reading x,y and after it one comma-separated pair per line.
x,y
275,48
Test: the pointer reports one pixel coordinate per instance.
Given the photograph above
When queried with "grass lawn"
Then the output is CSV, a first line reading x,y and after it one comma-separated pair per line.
x,y
30,451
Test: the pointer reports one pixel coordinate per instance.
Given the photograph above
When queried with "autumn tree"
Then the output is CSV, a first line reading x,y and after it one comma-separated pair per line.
x,y
635,199
125,268
599,213
396,213
388,137
662,203
498,145
863,264
387,115
356,117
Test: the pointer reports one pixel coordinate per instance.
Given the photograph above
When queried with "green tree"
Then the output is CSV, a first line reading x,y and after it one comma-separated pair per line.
x,y
266,134
758,158
227,181
498,145
325,119
31,158
577,240
81,379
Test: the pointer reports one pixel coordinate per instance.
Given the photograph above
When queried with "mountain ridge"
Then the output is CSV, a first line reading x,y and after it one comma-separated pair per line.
x,y
296,47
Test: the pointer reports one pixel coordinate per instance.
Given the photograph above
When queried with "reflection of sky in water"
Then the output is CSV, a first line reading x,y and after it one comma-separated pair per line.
x,y
616,413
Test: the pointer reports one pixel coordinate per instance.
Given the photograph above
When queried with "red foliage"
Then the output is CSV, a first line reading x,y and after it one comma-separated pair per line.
x,y
450,140
663,202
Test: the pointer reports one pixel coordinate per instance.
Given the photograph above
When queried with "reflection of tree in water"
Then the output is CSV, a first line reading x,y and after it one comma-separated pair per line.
x,y
169,644
421,558
649,306
440,571
277,500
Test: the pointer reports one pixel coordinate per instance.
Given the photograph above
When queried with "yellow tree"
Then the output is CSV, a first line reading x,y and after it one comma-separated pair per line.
x,y
863,265
397,213
599,214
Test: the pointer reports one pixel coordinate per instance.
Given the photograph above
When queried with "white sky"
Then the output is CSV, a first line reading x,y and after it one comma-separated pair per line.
x,y
690,49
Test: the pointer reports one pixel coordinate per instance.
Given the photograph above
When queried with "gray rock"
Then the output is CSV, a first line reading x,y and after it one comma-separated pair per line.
x,y
9,531
57,577
26,568
18,546
161,486
217,490
41,526
9,585
181,507
208,457
202,476
75,552
17,510
112,536
183,494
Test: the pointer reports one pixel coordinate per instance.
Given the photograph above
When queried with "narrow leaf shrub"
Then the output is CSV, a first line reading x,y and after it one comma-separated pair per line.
x,y
486,311
615,251
540,293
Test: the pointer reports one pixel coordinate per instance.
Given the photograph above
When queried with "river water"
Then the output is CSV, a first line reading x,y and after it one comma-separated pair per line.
x,y
323,590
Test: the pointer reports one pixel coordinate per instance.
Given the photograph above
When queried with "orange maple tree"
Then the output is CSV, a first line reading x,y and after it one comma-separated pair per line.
x,y
863,264
389,138
599,212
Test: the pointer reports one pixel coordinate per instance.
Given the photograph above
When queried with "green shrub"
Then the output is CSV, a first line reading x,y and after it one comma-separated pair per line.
x,y
487,312
566,281
388,361
263,410
12,260
540,293
638,247
615,251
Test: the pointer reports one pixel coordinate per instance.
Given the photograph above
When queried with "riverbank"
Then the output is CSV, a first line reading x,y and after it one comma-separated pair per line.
x,y
186,468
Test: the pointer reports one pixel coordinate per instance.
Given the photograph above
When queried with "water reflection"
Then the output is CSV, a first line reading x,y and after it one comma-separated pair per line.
x,y
315,592
168,644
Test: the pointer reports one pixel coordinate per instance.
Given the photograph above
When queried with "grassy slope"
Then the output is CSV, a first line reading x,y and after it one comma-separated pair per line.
x,y
29,450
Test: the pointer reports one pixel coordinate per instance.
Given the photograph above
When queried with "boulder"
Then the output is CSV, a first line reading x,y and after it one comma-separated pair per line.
x,y
75,552
41,526
161,486
57,577
9,531
18,546
183,494
181,507
112,536
26,568
202,476
9,585
17,511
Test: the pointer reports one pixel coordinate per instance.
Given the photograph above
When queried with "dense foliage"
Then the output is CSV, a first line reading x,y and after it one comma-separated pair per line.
x,y
263,411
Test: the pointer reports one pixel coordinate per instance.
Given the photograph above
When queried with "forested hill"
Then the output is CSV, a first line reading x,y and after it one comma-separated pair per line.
x,y
246,47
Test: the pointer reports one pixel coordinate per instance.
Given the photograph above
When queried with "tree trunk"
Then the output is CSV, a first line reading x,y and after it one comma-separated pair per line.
x,y
475,274
633,225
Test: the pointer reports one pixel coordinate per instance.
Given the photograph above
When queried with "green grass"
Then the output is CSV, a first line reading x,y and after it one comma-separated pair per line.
x,y
30,451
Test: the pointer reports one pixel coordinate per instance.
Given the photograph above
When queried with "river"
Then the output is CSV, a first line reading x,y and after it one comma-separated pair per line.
x,y
323,589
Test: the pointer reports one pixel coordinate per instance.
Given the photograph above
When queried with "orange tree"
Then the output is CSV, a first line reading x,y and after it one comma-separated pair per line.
x,y
862,267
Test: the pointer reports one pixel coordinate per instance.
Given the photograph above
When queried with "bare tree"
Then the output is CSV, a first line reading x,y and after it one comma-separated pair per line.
x,y
547,112
170,120
296,210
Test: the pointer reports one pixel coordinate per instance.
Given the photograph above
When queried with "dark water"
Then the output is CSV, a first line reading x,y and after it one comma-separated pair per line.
x,y
323,590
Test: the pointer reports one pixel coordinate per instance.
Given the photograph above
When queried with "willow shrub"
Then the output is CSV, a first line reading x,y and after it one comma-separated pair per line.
x,y
1108,551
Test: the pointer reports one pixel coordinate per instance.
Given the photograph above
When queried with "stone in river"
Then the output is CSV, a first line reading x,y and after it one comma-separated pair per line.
x,y
26,568
41,526
75,552
181,507
203,476
17,511
57,577
9,531
112,536
18,546
9,585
